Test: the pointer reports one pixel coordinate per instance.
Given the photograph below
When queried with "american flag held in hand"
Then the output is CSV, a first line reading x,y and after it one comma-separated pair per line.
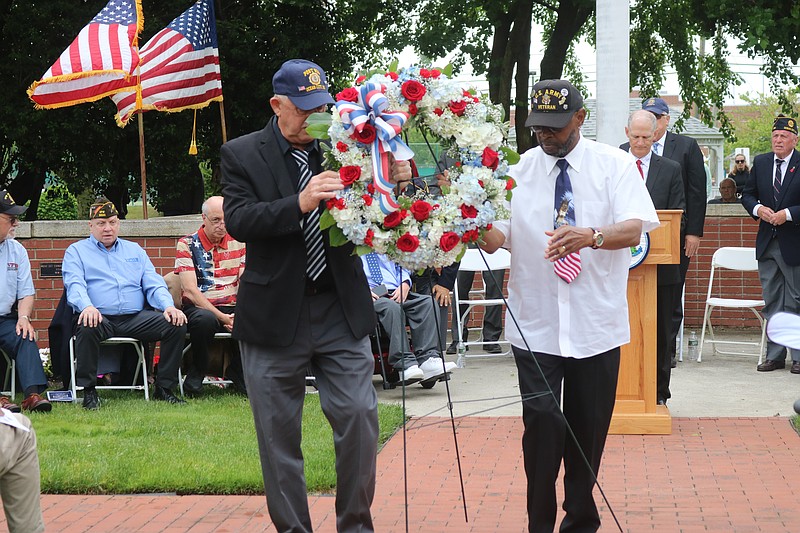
x,y
98,63
179,66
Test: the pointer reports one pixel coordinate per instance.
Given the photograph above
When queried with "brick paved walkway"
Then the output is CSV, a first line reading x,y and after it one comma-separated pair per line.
x,y
712,475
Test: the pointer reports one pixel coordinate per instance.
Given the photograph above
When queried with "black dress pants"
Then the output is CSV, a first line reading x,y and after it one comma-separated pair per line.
x,y
590,387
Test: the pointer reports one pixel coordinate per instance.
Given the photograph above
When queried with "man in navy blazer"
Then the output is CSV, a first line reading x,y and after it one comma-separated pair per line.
x,y
772,196
685,151
663,180
302,304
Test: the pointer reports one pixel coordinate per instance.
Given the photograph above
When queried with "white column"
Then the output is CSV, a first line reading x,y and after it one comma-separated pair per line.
x,y
613,70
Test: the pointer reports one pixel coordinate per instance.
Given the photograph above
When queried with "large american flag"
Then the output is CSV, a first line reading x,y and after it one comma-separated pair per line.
x,y
179,66
98,63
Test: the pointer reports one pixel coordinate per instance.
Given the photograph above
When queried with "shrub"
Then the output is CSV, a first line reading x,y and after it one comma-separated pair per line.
x,y
57,203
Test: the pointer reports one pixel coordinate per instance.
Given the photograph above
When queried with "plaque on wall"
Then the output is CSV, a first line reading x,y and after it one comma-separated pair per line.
x,y
50,270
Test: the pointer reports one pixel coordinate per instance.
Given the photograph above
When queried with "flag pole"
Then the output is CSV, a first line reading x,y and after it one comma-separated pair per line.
x,y
222,120
142,165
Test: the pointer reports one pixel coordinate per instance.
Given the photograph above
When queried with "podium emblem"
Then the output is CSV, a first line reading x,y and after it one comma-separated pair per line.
x,y
640,251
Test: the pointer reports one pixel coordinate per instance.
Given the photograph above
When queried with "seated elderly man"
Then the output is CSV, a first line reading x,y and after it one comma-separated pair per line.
x,y
209,263
109,281
391,294
17,336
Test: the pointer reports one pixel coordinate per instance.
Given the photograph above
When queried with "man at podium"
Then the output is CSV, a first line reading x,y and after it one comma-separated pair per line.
x,y
578,208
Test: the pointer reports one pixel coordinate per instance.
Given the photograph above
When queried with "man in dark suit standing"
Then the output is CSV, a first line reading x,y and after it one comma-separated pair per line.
x,y
772,195
663,180
685,151
302,303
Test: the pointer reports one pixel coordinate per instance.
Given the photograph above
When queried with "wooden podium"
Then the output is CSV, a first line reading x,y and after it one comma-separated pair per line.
x,y
635,411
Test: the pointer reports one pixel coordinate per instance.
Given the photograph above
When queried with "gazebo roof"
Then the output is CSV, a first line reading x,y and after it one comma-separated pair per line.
x,y
692,127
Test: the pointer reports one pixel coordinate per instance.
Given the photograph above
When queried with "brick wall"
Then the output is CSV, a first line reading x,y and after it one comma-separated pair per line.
x,y
47,240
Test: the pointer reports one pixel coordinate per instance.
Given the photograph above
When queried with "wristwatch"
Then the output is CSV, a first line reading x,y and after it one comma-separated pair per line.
x,y
597,238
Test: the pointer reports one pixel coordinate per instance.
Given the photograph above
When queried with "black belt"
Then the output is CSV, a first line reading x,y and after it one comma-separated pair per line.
x,y
312,288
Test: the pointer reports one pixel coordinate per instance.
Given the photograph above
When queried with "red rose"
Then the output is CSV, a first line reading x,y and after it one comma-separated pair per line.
x,y
425,73
392,75
421,210
338,203
360,79
448,241
368,237
435,73
466,93
367,199
371,187
490,158
510,183
470,236
438,111
349,174
413,90
347,95
366,135
394,219
412,109
342,147
488,227
407,243
468,211
457,107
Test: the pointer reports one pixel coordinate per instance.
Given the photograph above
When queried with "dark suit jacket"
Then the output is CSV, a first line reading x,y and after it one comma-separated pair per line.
x,y
666,190
758,190
687,153
261,209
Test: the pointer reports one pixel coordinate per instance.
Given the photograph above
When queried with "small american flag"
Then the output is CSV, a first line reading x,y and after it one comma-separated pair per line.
x,y
98,63
179,66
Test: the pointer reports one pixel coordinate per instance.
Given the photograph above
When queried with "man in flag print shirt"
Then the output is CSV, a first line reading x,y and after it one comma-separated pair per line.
x,y
209,263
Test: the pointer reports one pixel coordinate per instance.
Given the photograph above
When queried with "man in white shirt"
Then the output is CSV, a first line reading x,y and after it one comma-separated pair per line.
x,y
578,207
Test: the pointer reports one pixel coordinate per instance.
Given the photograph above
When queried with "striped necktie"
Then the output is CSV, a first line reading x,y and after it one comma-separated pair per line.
x,y
312,235
566,268
776,185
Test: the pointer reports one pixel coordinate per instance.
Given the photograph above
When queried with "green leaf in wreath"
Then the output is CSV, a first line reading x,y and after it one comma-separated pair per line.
x,y
362,250
510,155
508,196
318,125
326,220
461,255
337,236
447,70
393,65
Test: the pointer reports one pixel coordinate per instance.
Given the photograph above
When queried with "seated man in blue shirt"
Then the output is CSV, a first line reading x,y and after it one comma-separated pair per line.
x,y
109,281
391,288
17,336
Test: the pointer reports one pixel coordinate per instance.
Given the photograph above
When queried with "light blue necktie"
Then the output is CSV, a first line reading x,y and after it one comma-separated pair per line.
x,y
374,268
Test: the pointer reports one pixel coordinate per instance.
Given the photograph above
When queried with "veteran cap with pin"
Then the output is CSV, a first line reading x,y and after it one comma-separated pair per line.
x,y
553,104
102,209
784,123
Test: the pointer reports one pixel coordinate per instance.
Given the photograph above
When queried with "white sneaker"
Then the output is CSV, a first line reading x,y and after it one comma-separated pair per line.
x,y
432,368
411,374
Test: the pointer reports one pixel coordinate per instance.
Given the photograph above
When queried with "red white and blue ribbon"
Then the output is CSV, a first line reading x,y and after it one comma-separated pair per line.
x,y
371,108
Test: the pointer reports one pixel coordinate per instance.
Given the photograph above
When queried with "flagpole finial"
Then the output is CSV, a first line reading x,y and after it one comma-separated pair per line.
x,y
193,145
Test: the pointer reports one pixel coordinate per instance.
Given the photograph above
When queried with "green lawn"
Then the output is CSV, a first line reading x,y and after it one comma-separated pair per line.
x,y
205,447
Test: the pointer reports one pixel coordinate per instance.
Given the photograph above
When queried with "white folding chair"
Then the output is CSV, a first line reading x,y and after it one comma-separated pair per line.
x,y
473,262
10,381
141,366
736,259
206,380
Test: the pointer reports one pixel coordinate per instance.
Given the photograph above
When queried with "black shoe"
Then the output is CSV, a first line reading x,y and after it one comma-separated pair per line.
x,y
673,362
192,386
769,365
165,395
492,348
453,348
90,400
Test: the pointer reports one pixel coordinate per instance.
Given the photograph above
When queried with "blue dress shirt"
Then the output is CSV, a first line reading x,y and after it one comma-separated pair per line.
x,y
393,274
16,268
117,281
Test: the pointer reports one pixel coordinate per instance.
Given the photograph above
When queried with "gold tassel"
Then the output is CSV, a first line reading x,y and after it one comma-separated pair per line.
x,y
193,145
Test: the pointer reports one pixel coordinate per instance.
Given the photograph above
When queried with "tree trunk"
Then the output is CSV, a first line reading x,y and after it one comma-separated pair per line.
x,y
499,79
522,57
572,15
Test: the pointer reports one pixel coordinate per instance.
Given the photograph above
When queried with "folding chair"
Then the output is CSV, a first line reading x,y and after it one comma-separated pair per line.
x,y
736,259
10,381
206,380
141,366
473,262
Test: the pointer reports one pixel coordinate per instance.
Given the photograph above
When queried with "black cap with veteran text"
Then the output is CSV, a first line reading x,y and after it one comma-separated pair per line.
x,y
553,104
784,123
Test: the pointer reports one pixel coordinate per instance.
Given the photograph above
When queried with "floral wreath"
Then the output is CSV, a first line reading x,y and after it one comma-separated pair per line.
x,y
365,129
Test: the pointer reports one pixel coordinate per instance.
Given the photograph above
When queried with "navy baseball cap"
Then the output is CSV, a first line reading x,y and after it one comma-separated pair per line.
x,y
553,104
303,82
784,123
8,206
656,106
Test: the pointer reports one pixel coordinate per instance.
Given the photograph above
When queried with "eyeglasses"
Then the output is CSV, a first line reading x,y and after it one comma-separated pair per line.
x,y
538,130
11,219
307,112
216,221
